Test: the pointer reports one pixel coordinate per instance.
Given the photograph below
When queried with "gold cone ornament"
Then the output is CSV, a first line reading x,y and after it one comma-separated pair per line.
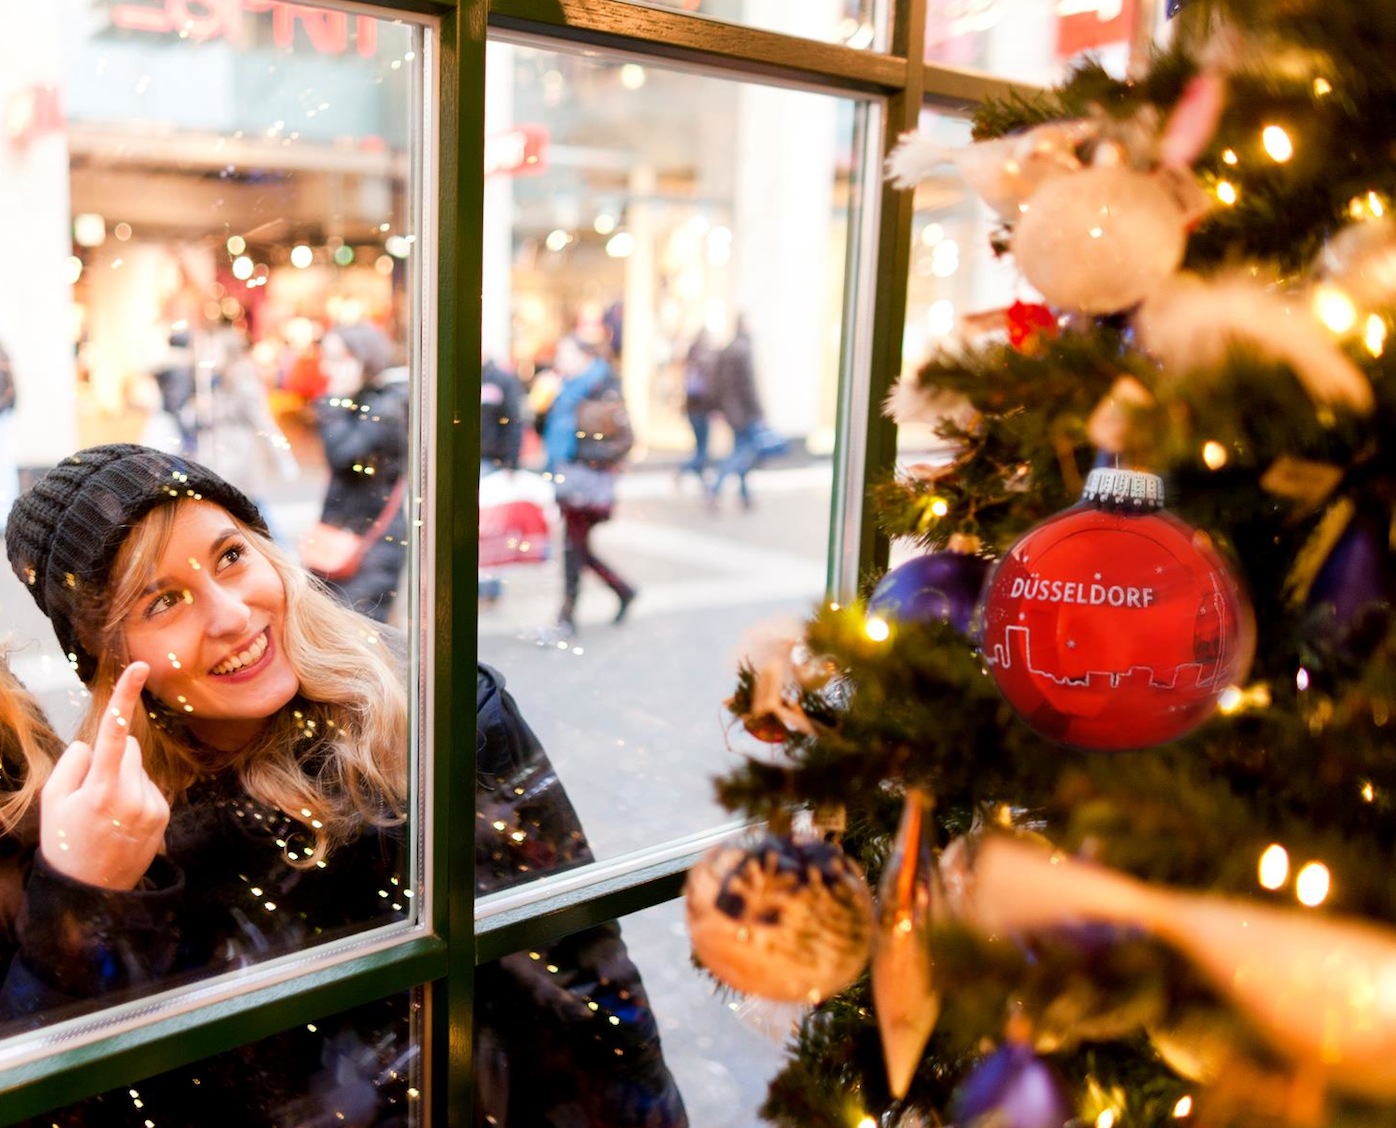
x,y
903,988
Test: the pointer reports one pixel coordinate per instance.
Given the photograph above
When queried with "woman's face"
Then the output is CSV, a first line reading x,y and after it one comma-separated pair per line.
x,y
210,624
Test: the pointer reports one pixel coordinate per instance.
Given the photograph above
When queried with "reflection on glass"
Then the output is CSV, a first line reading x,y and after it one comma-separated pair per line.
x,y
853,23
652,1035
958,292
1036,41
218,244
357,1069
633,250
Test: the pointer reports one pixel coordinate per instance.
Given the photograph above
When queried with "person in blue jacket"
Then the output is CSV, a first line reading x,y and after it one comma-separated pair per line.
x,y
583,370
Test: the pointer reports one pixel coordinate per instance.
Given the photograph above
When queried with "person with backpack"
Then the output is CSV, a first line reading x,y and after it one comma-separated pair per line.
x,y
585,438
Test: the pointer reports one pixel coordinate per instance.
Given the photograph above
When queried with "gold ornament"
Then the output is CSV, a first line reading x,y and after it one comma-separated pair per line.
x,y
778,918
904,995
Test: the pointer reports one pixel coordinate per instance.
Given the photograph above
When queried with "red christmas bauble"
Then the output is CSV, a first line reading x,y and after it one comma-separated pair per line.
x,y
1113,625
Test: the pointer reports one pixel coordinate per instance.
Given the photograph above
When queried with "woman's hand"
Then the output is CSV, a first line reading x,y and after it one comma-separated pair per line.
x,y
101,818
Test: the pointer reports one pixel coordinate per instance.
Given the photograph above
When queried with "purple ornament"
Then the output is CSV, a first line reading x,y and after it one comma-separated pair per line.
x,y
943,585
1012,1088
1348,598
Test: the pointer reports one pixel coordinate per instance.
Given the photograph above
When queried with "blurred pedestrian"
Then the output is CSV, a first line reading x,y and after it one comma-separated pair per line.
x,y
174,377
740,406
502,408
241,439
585,489
363,424
698,403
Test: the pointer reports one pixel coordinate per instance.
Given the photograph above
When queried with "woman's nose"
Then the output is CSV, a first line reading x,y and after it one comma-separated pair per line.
x,y
225,611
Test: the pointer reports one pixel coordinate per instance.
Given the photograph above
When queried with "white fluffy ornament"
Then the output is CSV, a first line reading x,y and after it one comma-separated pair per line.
x,y
778,918
1004,171
1100,240
1189,323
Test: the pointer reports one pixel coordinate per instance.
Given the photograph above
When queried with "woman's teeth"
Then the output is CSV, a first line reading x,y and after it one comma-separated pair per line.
x,y
246,658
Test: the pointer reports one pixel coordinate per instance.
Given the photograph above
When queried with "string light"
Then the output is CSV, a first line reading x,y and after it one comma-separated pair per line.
x,y
1274,867
1183,1107
877,628
1226,192
1311,884
1374,334
1334,308
1229,157
1322,87
1214,455
1277,143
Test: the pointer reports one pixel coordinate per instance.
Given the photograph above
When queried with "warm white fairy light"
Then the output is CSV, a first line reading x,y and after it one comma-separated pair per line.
x,y
1106,1119
1273,870
1374,334
1214,455
1334,308
1369,793
1229,157
1277,143
1311,884
877,628
1226,192
1183,1107
1322,87
939,506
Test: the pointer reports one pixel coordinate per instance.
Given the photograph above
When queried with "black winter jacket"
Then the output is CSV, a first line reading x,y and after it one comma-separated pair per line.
x,y
224,895
366,444
565,1037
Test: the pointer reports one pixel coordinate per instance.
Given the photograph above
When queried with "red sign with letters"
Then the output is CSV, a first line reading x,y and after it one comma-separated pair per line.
x,y
203,20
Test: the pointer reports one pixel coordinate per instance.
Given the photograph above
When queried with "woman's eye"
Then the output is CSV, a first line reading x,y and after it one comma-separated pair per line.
x,y
231,555
163,602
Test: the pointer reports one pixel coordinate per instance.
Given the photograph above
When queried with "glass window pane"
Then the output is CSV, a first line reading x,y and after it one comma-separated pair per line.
x,y
358,1069
635,233
853,23
220,209
614,1025
1036,41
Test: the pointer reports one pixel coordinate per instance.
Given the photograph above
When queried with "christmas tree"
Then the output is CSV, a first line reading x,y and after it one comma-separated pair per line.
x,y
1084,814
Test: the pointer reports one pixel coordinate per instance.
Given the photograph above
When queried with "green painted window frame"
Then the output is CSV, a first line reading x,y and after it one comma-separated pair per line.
x,y
442,957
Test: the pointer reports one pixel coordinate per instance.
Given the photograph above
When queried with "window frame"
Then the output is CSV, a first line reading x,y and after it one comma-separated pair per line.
x,y
441,956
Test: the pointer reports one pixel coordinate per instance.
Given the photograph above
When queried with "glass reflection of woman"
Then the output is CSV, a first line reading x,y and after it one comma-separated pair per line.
x,y
237,787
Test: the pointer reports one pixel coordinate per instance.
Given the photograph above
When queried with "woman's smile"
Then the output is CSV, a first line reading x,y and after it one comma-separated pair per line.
x,y
244,660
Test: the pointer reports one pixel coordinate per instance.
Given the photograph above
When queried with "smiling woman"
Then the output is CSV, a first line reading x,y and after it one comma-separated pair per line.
x,y
237,788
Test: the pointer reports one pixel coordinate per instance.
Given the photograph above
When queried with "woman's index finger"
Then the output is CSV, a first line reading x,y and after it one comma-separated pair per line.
x,y
116,722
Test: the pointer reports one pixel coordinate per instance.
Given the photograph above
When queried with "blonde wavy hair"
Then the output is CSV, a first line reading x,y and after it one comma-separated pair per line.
x,y
28,748
333,759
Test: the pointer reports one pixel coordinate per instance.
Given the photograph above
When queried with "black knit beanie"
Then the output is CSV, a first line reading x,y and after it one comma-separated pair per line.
x,y
64,531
